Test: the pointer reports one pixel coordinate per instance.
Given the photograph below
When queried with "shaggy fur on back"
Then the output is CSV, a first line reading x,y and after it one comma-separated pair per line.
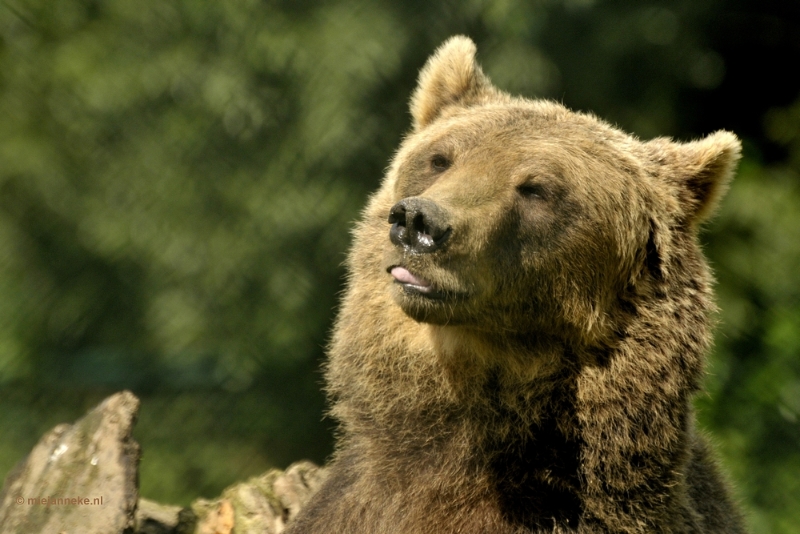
x,y
519,345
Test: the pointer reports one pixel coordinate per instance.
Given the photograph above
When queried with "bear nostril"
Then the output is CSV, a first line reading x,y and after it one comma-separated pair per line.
x,y
419,226
397,215
398,234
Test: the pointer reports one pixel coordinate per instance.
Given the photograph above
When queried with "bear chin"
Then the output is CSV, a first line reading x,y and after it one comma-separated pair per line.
x,y
420,306
428,304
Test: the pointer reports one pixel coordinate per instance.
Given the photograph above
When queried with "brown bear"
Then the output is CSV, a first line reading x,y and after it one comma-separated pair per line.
x,y
525,325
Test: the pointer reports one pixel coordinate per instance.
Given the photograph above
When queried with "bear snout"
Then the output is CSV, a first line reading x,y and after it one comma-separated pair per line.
x,y
419,225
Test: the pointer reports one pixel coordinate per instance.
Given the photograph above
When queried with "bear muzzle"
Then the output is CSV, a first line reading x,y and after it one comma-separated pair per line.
x,y
419,225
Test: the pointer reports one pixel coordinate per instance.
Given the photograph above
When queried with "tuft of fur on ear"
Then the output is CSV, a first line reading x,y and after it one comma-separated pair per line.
x,y
450,77
701,171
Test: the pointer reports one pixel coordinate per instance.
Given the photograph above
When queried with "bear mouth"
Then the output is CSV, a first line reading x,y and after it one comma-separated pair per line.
x,y
413,284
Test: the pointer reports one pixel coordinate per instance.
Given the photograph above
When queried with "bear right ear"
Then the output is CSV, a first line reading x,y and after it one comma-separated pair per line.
x,y
700,171
450,77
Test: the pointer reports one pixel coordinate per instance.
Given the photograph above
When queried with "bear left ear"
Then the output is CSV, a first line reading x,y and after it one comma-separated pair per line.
x,y
450,77
701,170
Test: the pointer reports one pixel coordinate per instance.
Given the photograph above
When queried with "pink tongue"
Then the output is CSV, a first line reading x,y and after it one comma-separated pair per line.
x,y
405,277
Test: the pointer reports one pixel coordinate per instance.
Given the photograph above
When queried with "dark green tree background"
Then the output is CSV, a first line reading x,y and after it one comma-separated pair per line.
x,y
178,181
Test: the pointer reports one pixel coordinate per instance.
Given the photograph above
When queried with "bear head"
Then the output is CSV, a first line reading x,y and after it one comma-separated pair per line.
x,y
520,216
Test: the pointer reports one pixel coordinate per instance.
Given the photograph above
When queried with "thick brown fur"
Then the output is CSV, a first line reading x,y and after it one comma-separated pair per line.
x,y
536,374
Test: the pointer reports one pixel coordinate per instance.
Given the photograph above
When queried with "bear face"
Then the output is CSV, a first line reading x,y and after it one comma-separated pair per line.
x,y
511,215
493,217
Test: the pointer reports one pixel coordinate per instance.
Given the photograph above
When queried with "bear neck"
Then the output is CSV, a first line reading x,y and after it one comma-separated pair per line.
x,y
528,417
464,409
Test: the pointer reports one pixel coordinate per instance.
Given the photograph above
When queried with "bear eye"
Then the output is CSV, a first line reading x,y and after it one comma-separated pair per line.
x,y
531,191
440,163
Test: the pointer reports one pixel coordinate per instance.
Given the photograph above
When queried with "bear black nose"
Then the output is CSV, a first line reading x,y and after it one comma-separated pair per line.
x,y
419,224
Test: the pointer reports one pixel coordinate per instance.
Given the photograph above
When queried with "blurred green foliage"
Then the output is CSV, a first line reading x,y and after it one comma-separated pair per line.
x,y
178,180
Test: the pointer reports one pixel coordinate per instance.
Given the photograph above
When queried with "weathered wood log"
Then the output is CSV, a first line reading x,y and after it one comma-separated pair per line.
x,y
78,478
83,478
263,504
